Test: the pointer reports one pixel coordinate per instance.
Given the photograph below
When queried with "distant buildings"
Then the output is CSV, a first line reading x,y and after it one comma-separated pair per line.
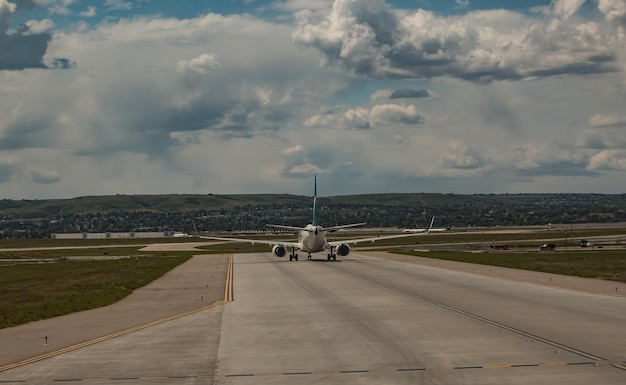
x,y
132,234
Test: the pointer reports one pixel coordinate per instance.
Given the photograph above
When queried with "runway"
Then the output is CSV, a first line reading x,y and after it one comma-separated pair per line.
x,y
368,321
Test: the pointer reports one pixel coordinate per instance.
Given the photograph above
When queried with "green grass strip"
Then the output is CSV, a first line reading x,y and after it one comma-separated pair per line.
x,y
31,292
605,264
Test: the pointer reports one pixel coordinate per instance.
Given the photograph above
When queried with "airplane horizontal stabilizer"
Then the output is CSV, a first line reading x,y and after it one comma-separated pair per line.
x,y
335,228
292,228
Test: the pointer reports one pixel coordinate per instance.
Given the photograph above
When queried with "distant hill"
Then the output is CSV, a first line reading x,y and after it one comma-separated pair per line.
x,y
139,203
167,203
39,218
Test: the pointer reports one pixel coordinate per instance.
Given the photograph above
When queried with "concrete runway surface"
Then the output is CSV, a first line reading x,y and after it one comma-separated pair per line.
x,y
363,320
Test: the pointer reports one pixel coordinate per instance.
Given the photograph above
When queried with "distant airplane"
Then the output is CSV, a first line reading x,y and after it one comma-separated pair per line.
x,y
312,238
430,230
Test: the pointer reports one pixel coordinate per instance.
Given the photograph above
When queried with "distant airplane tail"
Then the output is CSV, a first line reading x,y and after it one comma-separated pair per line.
x,y
430,227
424,230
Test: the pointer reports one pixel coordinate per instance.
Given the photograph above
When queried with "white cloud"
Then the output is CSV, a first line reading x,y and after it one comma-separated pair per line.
x,y
7,7
370,39
379,115
462,3
609,160
395,113
459,156
615,13
307,169
118,5
296,149
607,120
38,26
566,8
200,65
60,7
89,12
340,117
228,104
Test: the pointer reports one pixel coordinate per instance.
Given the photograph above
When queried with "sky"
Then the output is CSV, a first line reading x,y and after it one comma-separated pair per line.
x,y
257,96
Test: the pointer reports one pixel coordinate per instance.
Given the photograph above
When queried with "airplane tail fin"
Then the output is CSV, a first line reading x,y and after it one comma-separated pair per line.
x,y
431,225
314,223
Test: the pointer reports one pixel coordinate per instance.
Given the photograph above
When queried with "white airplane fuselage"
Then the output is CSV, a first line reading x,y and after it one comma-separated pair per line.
x,y
313,239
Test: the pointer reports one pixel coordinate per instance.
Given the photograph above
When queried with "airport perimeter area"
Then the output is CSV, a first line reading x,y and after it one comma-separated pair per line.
x,y
369,318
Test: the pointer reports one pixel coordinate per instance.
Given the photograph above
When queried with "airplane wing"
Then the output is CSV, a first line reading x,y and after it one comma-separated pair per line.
x,y
373,239
329,229
253,241
380,238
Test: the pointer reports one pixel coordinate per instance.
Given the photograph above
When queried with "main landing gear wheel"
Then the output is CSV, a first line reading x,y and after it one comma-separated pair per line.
x,y
293,257
309,258
332,257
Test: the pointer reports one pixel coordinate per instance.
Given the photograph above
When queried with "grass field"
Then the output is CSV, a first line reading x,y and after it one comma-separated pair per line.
x,y
30,292
610,265
47,242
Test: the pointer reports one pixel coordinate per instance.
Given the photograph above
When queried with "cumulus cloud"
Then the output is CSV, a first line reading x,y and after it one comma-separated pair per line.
x,y
357,117
296,149
460,156
365,118
395,113
609,160
35,27
537,159
607,120
372,40
615,13
7,8
566,8
200,65
297,163
107,110
340,117
229,104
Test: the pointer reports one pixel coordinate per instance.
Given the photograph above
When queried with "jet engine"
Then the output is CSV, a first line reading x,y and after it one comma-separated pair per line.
x,y
279,250
343,249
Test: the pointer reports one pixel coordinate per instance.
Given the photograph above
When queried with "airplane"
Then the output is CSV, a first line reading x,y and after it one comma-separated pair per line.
x,y
418,230
312,238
